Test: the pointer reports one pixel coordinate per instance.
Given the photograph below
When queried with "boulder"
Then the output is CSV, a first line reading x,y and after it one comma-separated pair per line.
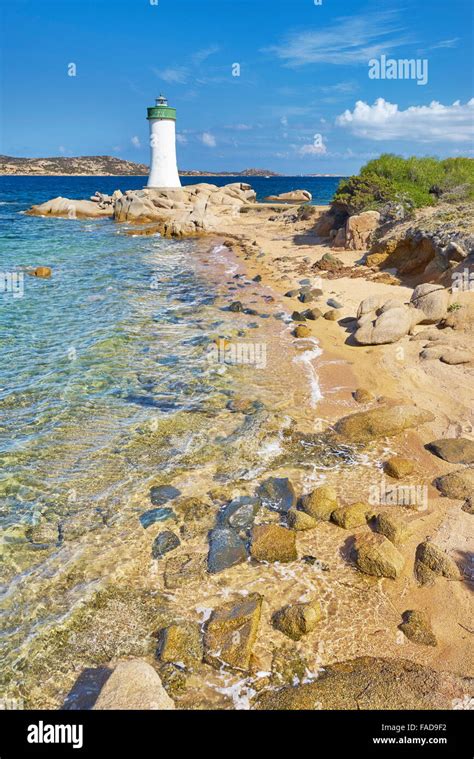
x,y
371,683
272,542
70,209
430,560
297,620
393,526
277,494
360,229
365,426
300,521
416,626
351,516
432,300
456,356
163,543
231,632
226,549
43,272
389,327
295,196
312,314
374,555
134,684
458,484
398,467
331,315
302,331
320,503
363,396
180,643
454,450
239,513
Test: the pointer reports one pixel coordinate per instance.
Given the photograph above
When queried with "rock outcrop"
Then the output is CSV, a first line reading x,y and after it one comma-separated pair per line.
x,y
231,632
179,212
365,426
295,196
370,683
134,684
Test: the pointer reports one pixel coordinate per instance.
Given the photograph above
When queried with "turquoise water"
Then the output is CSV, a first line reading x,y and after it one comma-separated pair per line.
x,y
107,391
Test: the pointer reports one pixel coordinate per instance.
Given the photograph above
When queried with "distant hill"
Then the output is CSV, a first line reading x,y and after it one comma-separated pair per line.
x,y
100,165
244,173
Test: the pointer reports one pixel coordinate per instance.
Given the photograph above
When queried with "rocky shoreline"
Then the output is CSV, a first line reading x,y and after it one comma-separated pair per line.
x,y
385,548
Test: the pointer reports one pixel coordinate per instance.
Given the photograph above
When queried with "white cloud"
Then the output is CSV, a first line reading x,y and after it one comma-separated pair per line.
x,y
424,123
240,127
349,40
136,142
181,138
175,75
443,44
201,55
208,139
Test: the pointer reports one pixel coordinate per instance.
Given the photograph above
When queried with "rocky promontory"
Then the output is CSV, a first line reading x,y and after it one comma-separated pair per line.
x,y
177,212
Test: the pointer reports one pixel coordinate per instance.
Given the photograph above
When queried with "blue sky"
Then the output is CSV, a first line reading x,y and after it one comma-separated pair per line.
x,y
303,102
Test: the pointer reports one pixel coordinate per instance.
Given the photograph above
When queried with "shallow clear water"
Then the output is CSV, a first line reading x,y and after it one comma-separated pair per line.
x,y
106,389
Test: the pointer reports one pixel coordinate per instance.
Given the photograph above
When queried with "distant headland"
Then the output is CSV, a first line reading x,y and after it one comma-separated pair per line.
x,y
105,165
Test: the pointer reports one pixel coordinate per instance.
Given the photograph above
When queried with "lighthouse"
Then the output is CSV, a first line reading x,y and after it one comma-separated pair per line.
x,y
163,166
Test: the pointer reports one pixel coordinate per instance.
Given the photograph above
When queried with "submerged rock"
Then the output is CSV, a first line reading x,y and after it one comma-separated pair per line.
x,y
297,620
351,516
239,513
417,628
321,503
180,643
134,684
155,515
375,555
277,494
365,426
225,549
272,542
300,521
160,494
371,683
231,632
163,543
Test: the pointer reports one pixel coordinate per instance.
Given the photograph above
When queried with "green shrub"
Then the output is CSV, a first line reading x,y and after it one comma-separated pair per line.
x,y
413,182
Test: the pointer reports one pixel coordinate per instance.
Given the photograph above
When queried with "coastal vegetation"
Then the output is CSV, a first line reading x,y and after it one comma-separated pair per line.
x,y
409,182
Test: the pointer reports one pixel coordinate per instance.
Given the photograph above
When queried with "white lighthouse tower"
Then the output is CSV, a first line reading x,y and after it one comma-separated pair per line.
x,y
163,166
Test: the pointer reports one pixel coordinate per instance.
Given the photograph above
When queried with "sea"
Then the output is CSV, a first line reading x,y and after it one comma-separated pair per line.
x,y
107,390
